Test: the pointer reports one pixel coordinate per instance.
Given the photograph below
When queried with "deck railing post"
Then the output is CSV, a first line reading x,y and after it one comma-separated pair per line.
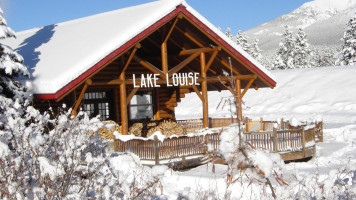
x,y
303,141
321,132
275,144
156,150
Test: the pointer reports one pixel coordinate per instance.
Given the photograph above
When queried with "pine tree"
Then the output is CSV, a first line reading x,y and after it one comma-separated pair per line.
x,y
255,50
12,70
228,33
285,53
349,46
241,40
302,54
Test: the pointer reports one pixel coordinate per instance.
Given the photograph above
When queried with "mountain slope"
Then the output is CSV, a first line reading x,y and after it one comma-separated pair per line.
x,y
322,20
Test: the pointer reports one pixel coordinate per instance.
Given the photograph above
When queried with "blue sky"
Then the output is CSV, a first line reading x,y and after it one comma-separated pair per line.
x,y
236,14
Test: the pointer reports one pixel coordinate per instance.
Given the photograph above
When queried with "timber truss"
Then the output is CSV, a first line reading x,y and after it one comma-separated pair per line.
x,y
180,45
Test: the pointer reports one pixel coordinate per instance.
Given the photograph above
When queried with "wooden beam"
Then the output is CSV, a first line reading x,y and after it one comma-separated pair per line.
x,y
247,87
137,46
190,37
211,60
74,111
204,88
149,66
195,88
132,93
172,27
183,64
205,50
226,65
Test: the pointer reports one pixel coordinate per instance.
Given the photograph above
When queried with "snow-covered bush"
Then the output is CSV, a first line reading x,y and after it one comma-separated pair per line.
x,y
41,157
337,184
246,164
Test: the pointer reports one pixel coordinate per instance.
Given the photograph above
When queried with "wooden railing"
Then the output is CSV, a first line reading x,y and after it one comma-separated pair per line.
x,y
281,141
170,148
191,125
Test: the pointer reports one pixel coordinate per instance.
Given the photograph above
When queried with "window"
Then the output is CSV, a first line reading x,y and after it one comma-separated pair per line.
x,y
97,103
141,106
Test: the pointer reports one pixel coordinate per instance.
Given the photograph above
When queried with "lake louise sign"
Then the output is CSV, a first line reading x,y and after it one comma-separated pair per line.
x,y
177,79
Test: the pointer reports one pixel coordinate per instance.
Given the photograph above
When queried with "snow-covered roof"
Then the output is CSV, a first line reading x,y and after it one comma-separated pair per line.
x,y
58,54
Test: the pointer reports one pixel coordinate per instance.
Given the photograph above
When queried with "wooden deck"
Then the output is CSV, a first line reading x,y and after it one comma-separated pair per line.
x,y
291,144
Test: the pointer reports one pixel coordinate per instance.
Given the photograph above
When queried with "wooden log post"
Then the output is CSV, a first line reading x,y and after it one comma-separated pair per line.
x,y
275,140
123,106
321,132
238,98
156,150
303,141
204,88
123,96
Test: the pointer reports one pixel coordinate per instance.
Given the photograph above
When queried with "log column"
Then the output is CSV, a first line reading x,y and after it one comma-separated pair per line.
x,y
238,98
123,96
123,105
204,89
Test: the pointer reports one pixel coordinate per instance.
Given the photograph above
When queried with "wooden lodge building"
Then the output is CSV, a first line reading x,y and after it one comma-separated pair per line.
x,y
136,63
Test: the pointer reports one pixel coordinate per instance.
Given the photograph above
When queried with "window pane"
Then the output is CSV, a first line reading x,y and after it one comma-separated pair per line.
x,y
141,99
141,112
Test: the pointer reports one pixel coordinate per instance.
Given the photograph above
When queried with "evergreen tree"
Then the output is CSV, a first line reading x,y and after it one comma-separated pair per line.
x,y
228,33
349,46
286,51
12,70
326,56
241,40
302,54
255,50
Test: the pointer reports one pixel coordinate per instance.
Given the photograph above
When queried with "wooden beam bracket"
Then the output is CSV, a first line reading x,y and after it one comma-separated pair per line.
x,y
149,66
132,93
137,46
247,87
87,83
183,63
195,88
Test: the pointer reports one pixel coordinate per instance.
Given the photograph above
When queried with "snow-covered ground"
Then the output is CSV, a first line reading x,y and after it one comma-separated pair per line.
x,y
306,94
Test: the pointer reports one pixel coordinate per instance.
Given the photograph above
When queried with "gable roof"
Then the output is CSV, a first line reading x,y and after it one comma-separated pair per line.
x,y
60,56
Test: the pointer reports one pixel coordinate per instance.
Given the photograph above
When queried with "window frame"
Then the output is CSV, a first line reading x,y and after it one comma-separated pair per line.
x,y
151,104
